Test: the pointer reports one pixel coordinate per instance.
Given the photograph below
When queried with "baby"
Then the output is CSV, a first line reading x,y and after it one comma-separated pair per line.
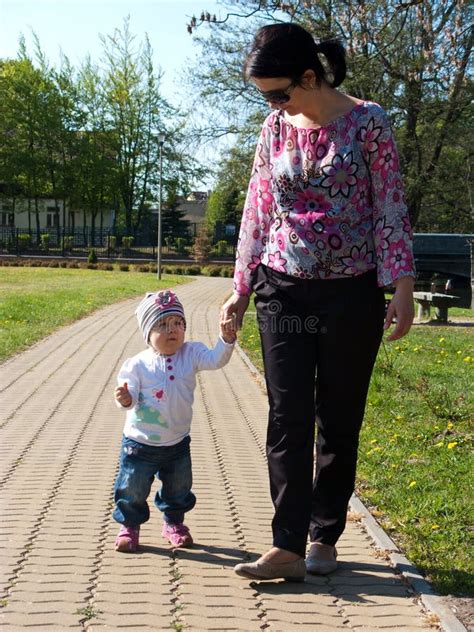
x,y
156,387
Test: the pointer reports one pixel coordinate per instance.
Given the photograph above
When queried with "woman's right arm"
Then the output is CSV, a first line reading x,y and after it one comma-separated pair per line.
x,y
253,230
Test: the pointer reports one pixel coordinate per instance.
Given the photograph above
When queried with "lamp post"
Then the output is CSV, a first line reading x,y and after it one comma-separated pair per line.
x,y
161,140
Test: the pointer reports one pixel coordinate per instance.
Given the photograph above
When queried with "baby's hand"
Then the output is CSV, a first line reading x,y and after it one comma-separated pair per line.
x,y
229,329
122,396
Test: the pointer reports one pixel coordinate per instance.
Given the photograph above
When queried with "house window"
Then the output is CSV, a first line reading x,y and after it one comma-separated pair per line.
x,y
7,219
52,217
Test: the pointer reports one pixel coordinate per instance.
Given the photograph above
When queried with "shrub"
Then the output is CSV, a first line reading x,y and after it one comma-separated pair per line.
x,y
227,271
24,241
181,245
221,248
212,271
171,242
45,242
6,264
127,242
196,270
92,258
63,264
124,267
105,266
67,242
35,263
141,268
153,268
202,248
11,243
73,264
53,264
92,266
112,242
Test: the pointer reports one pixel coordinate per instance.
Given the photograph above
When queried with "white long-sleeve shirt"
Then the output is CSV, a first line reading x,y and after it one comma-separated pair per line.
x,y
162,390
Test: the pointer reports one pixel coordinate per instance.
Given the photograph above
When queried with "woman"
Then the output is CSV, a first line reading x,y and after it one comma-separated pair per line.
x,y
324,229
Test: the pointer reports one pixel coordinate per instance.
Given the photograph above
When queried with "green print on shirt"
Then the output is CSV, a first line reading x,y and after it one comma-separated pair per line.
x,y
148,415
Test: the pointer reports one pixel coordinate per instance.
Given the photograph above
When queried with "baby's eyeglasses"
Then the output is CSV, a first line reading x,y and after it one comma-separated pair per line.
x,y
167,325
278,96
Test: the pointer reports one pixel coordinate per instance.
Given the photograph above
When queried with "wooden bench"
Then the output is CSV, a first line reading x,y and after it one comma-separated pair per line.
x,y
441,303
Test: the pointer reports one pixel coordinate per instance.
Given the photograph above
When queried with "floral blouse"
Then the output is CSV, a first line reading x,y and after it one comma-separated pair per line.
x,y
326,203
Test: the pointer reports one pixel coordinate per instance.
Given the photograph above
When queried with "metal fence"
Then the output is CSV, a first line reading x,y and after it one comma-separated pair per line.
x,y
107,243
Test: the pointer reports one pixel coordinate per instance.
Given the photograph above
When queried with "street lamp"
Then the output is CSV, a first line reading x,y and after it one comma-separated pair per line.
x,y
161,140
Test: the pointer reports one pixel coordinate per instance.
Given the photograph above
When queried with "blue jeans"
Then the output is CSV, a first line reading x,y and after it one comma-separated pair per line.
x,y
139,464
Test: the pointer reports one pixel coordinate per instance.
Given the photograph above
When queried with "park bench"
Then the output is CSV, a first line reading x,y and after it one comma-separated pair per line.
x,y
441,303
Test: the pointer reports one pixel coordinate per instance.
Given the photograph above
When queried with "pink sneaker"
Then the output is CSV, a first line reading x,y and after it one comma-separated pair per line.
x,y
127,539
177,534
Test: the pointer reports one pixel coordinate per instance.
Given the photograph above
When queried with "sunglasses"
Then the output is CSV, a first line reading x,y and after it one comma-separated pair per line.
x,y
278,96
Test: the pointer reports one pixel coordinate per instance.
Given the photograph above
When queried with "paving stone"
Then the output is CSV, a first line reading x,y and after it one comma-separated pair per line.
x,y
48,620
362,621
306,618
58,535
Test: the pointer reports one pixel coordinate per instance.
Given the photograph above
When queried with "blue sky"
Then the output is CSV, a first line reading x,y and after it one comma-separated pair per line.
x,y
74,26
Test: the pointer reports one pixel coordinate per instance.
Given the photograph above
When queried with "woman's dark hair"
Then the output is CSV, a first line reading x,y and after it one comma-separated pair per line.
x,y
288,50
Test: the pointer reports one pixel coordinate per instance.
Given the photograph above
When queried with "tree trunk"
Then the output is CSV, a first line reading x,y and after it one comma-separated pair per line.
x,y
38,224
84,227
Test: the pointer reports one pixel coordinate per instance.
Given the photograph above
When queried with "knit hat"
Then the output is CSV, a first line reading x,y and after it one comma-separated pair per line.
x,y
156,306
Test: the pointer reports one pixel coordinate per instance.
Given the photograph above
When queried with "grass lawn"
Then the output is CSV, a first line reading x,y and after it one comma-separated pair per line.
x,y
36,301
460,312
415,456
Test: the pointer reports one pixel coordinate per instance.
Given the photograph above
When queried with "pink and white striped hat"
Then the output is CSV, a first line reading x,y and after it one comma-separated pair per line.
x,y
156,306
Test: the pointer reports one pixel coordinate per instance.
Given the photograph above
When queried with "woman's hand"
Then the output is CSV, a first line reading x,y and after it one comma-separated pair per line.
x,y
236,304
401,308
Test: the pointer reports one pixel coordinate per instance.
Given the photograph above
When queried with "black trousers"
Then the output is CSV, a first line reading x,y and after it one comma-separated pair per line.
x,y
319,341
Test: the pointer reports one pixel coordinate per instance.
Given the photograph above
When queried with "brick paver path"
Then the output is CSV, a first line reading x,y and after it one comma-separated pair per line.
x,y
59,438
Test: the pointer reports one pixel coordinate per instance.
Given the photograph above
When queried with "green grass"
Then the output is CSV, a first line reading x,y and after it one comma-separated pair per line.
x,y
460,312
36,301
415,455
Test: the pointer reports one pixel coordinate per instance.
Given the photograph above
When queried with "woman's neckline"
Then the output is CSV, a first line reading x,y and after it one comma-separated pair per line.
x,y
331,122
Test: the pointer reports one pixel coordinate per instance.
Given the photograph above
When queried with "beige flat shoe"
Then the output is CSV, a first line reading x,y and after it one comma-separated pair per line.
x,y
321,567
291,571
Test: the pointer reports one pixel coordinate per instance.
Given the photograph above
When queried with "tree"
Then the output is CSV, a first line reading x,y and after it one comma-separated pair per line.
x,y
226,201
28,116
172,217
412,57
202,247
89,138
137,113
96,176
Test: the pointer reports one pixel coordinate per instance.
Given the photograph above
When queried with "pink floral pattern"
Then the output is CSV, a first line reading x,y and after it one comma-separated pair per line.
x,y
358,260
340,175
399,257
326,203
308,201
277,262
165,299
360,199
368,136
387,159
